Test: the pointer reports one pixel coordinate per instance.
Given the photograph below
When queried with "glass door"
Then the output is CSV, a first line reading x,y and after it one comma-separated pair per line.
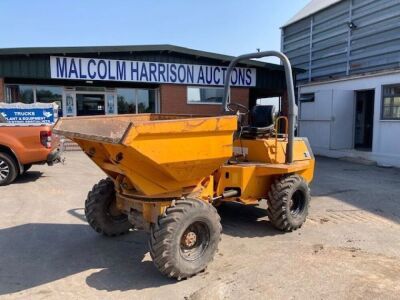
x,y
90,104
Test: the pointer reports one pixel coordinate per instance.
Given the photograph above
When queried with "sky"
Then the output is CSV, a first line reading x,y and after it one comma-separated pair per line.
x,y
230,27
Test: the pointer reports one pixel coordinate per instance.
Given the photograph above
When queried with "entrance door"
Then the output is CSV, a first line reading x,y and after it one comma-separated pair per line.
x,y
342,125
364,120
90,104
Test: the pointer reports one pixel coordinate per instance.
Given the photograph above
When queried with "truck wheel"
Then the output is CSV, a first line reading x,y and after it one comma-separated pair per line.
x,y
8,169
288,202
185,238
101,211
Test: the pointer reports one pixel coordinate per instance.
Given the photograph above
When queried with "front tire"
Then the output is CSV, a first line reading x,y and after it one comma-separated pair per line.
x,y
184,240
288,202
8,169
101,212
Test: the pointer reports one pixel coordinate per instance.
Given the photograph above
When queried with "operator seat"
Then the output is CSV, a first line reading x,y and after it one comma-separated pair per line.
x,y
262,116
261,122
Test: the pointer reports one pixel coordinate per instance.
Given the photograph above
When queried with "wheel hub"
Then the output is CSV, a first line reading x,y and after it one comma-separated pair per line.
x,y
190,239
4,170
194,241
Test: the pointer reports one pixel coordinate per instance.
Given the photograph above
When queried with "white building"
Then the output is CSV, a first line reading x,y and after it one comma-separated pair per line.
x,y
349,96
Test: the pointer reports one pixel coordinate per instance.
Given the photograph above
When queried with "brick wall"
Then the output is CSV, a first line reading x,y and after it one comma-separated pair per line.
x,y
2,90
173,99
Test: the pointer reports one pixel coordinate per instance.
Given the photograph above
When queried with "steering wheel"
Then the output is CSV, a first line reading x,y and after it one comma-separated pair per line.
x,y
237,108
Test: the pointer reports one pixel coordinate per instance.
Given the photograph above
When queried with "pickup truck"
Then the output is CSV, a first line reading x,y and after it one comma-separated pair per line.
x,y
21,146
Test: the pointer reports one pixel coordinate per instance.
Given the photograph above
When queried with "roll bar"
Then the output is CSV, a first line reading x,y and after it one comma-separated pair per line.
x,y
289,86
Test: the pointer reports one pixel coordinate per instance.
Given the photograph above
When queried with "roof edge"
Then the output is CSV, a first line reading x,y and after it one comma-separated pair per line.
x,y
133,48
297,18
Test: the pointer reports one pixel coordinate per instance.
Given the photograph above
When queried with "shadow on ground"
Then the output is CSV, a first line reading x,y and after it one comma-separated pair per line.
x,y
35,254
78,213
245,221
30,176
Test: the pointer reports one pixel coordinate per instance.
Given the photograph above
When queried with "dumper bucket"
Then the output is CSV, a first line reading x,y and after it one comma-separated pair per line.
x,y
158,153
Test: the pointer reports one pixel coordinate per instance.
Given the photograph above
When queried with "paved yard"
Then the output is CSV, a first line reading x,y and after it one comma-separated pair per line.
x,y
348,249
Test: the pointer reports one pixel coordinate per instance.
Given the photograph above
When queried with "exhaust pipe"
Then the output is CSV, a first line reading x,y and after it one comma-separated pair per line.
x,y
227,194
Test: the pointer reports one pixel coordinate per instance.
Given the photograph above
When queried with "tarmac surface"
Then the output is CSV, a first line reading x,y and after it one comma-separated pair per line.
x,y
348,249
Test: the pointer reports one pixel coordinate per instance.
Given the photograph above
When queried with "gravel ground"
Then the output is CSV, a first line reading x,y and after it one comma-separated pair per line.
x,y
348,249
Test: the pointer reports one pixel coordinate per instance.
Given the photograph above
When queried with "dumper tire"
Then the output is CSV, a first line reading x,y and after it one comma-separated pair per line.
x,y
288,202
175,251
98,208
8,169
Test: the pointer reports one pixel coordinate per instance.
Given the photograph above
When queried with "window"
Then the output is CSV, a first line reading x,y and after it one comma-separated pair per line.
x,y
310,97
205,95
50,94
19,93
391,103
126,99
275,101
146,101
131,101
31,94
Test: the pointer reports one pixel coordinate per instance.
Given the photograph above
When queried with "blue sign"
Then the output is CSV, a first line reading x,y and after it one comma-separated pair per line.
x,y
76,68
15,115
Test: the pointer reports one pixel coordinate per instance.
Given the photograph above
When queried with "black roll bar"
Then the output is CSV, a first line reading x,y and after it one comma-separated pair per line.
x,y
289,86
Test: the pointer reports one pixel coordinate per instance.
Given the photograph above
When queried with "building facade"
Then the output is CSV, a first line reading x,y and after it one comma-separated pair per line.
x,y
349,96
132,79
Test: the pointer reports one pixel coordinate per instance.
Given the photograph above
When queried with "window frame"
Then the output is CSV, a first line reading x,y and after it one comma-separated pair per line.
x,y
383,96
203,87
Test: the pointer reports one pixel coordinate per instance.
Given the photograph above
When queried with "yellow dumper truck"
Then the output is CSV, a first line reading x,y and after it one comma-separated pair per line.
x,y
167,173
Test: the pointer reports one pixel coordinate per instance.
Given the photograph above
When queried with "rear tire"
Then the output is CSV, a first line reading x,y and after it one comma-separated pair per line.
x,y
8,169
288,202
184,240
101,212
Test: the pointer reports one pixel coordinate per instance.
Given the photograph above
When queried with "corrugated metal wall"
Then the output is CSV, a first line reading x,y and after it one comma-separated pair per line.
x,y
326,46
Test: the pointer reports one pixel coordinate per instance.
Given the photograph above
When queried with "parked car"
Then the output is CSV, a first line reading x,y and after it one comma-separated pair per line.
x,y
21,146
